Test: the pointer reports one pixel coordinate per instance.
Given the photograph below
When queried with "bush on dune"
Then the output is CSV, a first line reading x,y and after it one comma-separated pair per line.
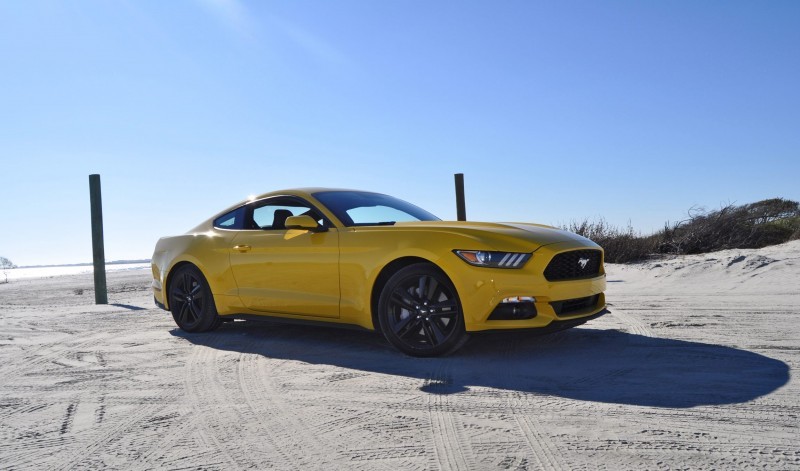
x,y
620,245
767,222
748,226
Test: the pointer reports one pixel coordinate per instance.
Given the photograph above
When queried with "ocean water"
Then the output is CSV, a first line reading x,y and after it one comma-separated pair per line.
x,y
48,272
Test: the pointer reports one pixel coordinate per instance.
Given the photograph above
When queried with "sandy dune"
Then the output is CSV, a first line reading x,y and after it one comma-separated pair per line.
x,y
692,369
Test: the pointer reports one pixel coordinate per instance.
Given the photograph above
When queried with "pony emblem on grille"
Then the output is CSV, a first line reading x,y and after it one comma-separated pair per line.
x,y
582,262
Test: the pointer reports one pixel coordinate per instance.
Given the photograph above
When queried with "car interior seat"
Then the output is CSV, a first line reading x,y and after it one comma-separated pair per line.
x,y
279,218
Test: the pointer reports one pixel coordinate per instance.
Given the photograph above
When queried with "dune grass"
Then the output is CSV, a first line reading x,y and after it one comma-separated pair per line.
x,y
754,225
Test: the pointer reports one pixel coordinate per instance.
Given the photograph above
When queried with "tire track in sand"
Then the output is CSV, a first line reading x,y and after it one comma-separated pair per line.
x,y
295,443
544,453
90,449
199,384
450,447
637,326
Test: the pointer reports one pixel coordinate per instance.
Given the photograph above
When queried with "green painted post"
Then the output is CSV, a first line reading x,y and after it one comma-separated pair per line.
x,y
98,252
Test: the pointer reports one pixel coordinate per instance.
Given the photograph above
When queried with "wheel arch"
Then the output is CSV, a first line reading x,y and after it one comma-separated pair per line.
x,y
168,281
386,272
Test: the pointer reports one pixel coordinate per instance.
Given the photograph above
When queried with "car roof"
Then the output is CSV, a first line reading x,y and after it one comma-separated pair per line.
x,y
306,190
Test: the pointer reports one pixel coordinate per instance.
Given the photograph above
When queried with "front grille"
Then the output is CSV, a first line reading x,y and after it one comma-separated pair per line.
x,y
570,306
574,265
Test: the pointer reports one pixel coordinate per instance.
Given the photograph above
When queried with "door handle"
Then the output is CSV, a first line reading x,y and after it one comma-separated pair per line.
x,y
242,248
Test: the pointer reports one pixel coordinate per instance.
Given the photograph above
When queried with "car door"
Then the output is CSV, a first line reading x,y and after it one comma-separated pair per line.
x,y
286,271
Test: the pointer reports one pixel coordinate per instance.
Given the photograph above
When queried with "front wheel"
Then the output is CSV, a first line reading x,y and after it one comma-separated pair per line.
x,y
191,302
419,312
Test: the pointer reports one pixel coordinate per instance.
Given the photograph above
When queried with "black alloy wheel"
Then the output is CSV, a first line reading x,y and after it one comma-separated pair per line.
x,y
419,312
191,302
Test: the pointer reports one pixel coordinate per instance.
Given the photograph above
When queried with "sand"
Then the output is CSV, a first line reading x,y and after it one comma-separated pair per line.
x,y
690,370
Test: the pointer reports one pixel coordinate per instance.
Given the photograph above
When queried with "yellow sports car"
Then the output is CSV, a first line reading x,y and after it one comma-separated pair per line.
x,y
370,260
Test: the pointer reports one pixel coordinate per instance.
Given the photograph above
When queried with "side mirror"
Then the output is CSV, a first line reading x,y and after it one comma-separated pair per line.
x,y
304,222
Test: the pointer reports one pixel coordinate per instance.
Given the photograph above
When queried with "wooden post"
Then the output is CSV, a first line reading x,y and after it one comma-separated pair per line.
x,y
461,209
98,251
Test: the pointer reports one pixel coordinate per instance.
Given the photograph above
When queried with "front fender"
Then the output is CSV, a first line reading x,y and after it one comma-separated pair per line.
x,y
365,253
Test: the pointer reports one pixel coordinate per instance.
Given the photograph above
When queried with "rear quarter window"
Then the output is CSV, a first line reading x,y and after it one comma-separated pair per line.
x,y
231,220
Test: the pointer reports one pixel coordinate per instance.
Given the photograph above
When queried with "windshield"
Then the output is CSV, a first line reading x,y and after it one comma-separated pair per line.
x,y
358,208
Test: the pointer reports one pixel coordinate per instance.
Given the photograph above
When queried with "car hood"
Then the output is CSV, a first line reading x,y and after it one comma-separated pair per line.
x,y
501,234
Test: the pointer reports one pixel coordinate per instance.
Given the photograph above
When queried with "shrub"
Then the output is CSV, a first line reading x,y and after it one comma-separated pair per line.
x,y
620,245
749,226
767,222
5,264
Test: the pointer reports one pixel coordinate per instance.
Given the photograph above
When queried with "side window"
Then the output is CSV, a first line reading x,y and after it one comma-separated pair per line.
x,y
378,214
231,220
272,214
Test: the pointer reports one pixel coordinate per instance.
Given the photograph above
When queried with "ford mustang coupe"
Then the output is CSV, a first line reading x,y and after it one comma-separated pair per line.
x,y
366,259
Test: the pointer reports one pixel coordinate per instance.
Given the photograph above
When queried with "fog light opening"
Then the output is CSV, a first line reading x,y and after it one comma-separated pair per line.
x,y
514,308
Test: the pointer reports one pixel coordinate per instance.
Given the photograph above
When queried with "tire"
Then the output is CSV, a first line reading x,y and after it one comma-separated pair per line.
x,y
191,302
419,312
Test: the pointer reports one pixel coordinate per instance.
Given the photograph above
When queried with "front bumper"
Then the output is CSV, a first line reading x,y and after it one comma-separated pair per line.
x,y
481,290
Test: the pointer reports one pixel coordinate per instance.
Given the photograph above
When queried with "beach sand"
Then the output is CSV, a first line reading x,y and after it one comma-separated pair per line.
x,y
692,369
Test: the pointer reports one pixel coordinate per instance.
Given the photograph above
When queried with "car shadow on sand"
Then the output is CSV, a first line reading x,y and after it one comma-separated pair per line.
x,y
584,364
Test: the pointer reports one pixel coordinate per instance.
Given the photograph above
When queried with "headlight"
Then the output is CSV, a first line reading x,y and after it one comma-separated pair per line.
x,y
483,258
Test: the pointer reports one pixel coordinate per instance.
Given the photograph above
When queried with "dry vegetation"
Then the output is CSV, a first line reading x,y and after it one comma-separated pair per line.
x,y
5,264
747,226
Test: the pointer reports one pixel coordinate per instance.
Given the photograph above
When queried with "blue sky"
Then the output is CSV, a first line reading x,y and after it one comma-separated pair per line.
x,y
554,111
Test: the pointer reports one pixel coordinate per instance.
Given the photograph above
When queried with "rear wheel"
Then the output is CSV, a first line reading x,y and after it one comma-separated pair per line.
x,y
419,312
191,302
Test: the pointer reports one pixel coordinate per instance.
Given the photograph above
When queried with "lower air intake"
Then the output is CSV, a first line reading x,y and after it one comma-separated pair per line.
x,y
572,306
